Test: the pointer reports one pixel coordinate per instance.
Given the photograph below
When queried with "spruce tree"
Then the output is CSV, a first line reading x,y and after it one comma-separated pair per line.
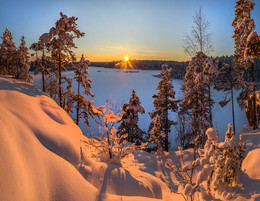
x,y
197,101
156,135
129,121
8,54
61,43
22,67
164,101
244,26
84,107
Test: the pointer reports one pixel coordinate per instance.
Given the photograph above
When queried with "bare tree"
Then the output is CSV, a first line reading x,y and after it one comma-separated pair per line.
x,y
199,40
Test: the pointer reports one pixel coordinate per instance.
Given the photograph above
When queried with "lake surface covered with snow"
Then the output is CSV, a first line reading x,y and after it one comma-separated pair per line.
x,y
115,85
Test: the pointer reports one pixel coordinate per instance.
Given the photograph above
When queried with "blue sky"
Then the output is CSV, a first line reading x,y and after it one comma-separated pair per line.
x,y
141,29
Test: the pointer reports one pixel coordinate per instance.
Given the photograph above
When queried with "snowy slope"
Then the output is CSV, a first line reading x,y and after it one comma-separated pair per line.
x,y
38,145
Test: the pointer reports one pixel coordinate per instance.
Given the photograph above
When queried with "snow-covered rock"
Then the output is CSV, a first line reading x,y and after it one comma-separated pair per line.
x,y
251,164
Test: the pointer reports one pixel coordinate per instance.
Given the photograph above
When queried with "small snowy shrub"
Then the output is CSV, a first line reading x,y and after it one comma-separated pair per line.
x,y
227,161
218,165
112,146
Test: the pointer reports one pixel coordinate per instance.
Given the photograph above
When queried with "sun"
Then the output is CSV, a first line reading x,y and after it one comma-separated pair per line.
x,y
126,58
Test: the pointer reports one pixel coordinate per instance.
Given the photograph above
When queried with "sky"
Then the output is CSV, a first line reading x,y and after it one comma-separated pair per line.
x,y
140,29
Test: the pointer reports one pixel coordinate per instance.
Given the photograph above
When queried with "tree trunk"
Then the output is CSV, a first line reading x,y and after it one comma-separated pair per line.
x,y
77,121
166,124
7,69
60,81
210,108
233,109
108,142
43,83
166,136
255,124
203,116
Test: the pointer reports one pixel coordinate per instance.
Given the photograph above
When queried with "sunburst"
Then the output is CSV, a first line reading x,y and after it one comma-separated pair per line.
x,y
125,63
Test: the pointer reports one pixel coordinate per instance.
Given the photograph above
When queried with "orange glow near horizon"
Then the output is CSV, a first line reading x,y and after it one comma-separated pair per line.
x,y
131,54
125,63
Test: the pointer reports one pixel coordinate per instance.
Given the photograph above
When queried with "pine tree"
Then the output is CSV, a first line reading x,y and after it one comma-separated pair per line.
x,y
190,101
164,101
84,107
129,121
243,28
22,67
197,101
8,54
60,45
43,63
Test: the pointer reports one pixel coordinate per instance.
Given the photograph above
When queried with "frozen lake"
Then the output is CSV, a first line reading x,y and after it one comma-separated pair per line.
x,y
115,85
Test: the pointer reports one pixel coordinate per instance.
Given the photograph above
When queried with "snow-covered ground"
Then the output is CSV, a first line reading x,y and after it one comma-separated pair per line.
x,y
43,156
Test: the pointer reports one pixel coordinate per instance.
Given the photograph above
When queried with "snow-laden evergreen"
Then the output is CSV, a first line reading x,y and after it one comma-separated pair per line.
x,y
8,54
245,49
156,135
197,101
243,25
22,67
84,107
61,44
164,101
129,121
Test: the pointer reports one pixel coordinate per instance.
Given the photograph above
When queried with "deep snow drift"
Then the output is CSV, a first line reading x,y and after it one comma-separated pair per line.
x,y
42,157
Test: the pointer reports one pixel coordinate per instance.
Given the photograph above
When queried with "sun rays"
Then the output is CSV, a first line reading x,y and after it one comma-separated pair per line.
x,y
125,63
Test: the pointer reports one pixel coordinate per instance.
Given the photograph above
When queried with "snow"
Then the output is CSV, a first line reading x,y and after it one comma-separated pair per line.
x,y
44,156
211,134
251,163
40,148
39,144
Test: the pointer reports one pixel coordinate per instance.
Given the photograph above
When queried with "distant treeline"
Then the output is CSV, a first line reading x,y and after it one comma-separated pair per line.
x,y
178,68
